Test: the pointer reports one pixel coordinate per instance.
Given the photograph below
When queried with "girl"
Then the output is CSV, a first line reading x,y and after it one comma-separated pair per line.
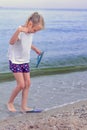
x,y
19,57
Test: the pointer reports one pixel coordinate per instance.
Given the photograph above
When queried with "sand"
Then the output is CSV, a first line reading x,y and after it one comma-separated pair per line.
x,y
69,117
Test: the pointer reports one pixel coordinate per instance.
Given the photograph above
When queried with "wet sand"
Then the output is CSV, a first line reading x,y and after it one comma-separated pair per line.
x,y
68,117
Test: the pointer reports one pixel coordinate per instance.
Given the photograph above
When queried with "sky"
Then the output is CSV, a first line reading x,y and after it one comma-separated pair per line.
x,y
78,4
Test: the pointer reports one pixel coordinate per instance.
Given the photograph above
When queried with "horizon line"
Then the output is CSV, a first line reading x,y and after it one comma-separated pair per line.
x,y
11,7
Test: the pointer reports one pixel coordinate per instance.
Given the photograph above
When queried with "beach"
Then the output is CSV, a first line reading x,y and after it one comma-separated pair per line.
x,y
59,84
63,98
68,117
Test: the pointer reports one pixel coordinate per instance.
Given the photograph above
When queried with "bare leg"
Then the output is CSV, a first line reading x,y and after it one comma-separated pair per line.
x,y
25,92
20,85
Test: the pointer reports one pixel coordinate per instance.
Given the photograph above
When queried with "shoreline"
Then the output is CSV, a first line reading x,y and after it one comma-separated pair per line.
x,y
8,76
68,117
71,114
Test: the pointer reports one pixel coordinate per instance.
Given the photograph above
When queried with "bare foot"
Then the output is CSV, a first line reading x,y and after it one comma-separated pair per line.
x,y
24,109
11,107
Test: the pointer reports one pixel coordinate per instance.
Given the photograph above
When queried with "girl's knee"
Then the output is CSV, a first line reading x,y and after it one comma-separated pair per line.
x,y
27,83
21,85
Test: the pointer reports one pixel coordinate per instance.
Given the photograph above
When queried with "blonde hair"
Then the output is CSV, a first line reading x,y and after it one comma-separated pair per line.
x,y
36,19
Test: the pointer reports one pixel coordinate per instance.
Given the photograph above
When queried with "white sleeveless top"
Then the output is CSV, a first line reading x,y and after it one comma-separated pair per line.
x,y
19,52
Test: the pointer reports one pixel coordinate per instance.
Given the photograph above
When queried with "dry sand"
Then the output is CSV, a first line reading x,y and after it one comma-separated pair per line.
x,y
68,117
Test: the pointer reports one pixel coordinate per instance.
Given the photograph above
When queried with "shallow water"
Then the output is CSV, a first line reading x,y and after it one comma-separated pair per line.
x,y
47,91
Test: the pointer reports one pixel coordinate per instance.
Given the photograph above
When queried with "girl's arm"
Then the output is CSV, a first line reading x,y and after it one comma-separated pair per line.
x,y
14,38
35,49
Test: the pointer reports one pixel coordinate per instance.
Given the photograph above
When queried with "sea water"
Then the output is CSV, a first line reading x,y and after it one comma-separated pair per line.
x,y
64,39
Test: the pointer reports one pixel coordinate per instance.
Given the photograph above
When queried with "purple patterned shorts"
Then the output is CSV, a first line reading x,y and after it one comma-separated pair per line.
x,y
23,68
